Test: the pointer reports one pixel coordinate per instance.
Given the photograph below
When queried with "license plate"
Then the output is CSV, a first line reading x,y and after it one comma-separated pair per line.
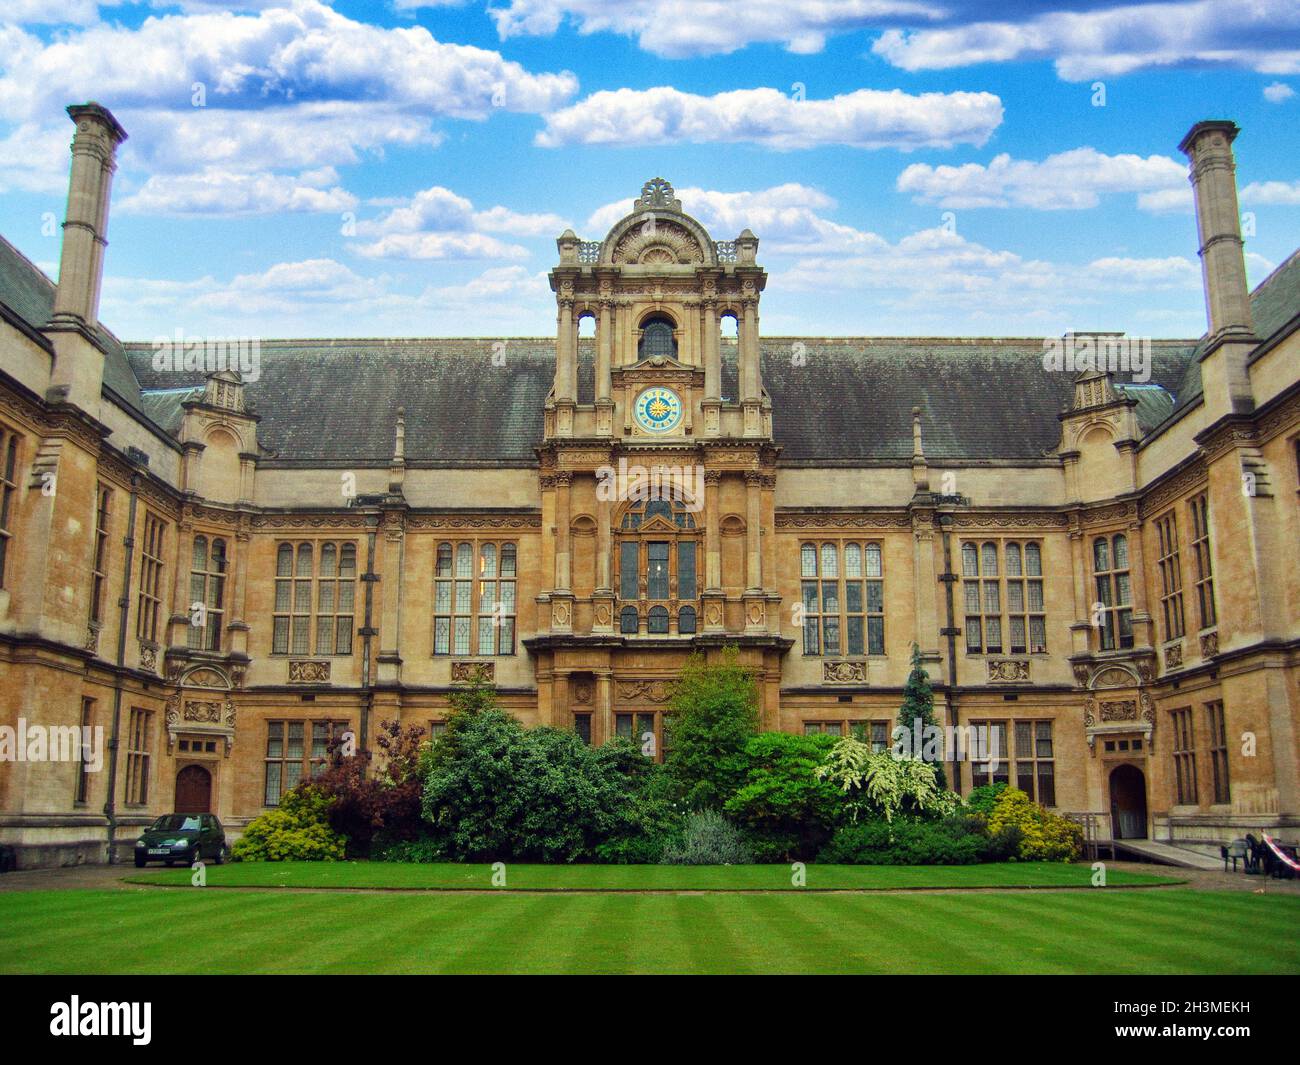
x,y
159,850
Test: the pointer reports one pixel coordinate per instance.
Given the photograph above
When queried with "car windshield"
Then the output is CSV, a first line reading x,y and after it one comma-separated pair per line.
x,y
177,823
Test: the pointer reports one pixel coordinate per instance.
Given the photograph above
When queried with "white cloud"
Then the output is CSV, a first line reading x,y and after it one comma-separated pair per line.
x,y
289,87
682,28
1086,44
1167,200
437,223
1278,92
215,191
1068,180
1272,194
44,13
868,118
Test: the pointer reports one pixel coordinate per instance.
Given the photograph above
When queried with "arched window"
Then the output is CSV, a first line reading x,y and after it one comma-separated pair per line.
x,y
1004,615
1114,595
657,557
657,339
207,594
657,620
843,612
474,616
627,621
686,620
314,592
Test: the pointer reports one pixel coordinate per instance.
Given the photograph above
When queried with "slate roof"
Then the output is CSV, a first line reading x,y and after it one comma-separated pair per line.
x,y
334,402
26,291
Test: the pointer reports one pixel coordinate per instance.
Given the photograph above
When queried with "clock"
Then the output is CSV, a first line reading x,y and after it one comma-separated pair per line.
x,y
658,410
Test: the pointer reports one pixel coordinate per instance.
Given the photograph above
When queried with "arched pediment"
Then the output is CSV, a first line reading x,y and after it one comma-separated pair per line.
x,y
658,233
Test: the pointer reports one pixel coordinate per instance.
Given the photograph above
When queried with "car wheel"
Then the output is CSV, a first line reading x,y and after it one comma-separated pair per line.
x,y
169,863
196,855
220,856
140,860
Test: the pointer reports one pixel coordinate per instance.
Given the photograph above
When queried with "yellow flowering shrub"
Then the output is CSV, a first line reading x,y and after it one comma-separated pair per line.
x,y
1044,836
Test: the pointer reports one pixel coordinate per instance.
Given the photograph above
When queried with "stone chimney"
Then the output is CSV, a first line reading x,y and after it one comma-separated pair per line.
x,y
78,372
1208,147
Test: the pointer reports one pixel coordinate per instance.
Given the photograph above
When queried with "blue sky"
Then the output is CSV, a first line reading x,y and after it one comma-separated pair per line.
x,y
931,167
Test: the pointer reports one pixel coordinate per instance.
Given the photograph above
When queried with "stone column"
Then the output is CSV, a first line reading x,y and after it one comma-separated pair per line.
x,y
563,548
604,361
603,719
753,530
713,595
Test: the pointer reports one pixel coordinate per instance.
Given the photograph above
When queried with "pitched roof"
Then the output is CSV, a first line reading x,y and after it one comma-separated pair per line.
x,y
843,400
26,291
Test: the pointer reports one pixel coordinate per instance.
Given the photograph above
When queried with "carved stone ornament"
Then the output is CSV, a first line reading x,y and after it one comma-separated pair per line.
x,y
1008,670
582,692
1123,710
844,672
203,711
1209,644
1174,656
465,672
149,657
645,691
305,672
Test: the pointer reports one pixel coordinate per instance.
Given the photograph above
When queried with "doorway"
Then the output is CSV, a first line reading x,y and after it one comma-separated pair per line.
x,y
1128,802
193,790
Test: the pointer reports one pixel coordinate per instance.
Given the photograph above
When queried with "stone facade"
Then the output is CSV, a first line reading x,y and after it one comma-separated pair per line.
x,y
1129,598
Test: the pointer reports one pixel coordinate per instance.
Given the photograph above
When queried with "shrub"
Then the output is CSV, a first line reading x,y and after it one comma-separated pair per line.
x,y
654,818
714,711
708,839
421,849
985,797
784,807
497,791
298,830
1044,836
384,805
883,784
916,715
955,840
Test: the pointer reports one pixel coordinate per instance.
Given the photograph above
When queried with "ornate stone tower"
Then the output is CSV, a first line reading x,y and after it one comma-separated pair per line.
x,y
657,464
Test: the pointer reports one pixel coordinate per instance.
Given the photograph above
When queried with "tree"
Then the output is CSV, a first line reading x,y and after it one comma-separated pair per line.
x,y
917,712
881,783
786,807
714,711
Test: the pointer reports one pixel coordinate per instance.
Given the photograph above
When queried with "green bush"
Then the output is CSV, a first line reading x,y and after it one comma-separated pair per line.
x,y
421,849
708,839
496,791
654,818
714,710
786,810
956,840
1044,836
985,797
298,830
883,784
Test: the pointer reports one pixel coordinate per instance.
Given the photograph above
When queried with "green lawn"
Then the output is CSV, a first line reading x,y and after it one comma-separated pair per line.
x,y
204,931
455,876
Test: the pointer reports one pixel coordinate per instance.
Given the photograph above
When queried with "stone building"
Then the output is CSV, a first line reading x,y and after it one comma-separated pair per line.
x,y
221,573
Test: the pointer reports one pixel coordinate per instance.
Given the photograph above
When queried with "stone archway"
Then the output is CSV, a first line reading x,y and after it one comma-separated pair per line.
x,y
193,790
1128,802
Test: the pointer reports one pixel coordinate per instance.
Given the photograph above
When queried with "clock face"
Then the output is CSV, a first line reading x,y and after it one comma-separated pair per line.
x,y
658,410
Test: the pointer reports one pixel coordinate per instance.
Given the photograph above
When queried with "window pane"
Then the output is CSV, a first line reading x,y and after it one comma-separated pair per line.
x,y
830,561
1036,595
284,561
1013,560
1016,596
328,560
1033,560
442,636
852,560
810,597
488,560
875,636
853,597
810,634
989,560
686,569
1121,552
460,637
686,620
442,568
464,560
873,560
628,621
442,597
628,569
1037,634
992,598
830,597
970,565
657,571
1101,556
853,635
875,597
831,631
294,749
507,560
808,561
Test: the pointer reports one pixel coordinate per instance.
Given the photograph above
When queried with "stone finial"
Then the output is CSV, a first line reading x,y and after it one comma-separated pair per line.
x,y
567,245
746,247
920,469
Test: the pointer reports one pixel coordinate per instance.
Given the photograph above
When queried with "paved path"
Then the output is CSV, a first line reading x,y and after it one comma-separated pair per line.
x,y
110,877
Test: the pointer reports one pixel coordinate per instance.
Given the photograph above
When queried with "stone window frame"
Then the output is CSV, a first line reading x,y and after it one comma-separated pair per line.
x,y
99,561
993,582
1216,731
81,789
1033,758
499,621
633,716
638,531
139,756
1112,582
816,559
303,601
1183,753
1169,565
1202,563
150,597
313,739
208,587
10,448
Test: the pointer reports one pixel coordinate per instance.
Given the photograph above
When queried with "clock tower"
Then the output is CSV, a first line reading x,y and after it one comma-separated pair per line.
x,y
657,465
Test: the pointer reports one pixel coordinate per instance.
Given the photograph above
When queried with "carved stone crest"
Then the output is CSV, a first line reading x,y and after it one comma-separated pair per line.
x,y
645,691
844,672
305,672
465,672
203,711
1123,710
1008,670
1209,644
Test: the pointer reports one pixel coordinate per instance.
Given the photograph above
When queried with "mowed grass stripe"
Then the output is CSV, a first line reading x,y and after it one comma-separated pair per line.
x,y
449,876
257,931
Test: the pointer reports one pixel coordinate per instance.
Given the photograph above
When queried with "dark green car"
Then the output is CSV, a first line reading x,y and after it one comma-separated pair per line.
x,y
182,838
